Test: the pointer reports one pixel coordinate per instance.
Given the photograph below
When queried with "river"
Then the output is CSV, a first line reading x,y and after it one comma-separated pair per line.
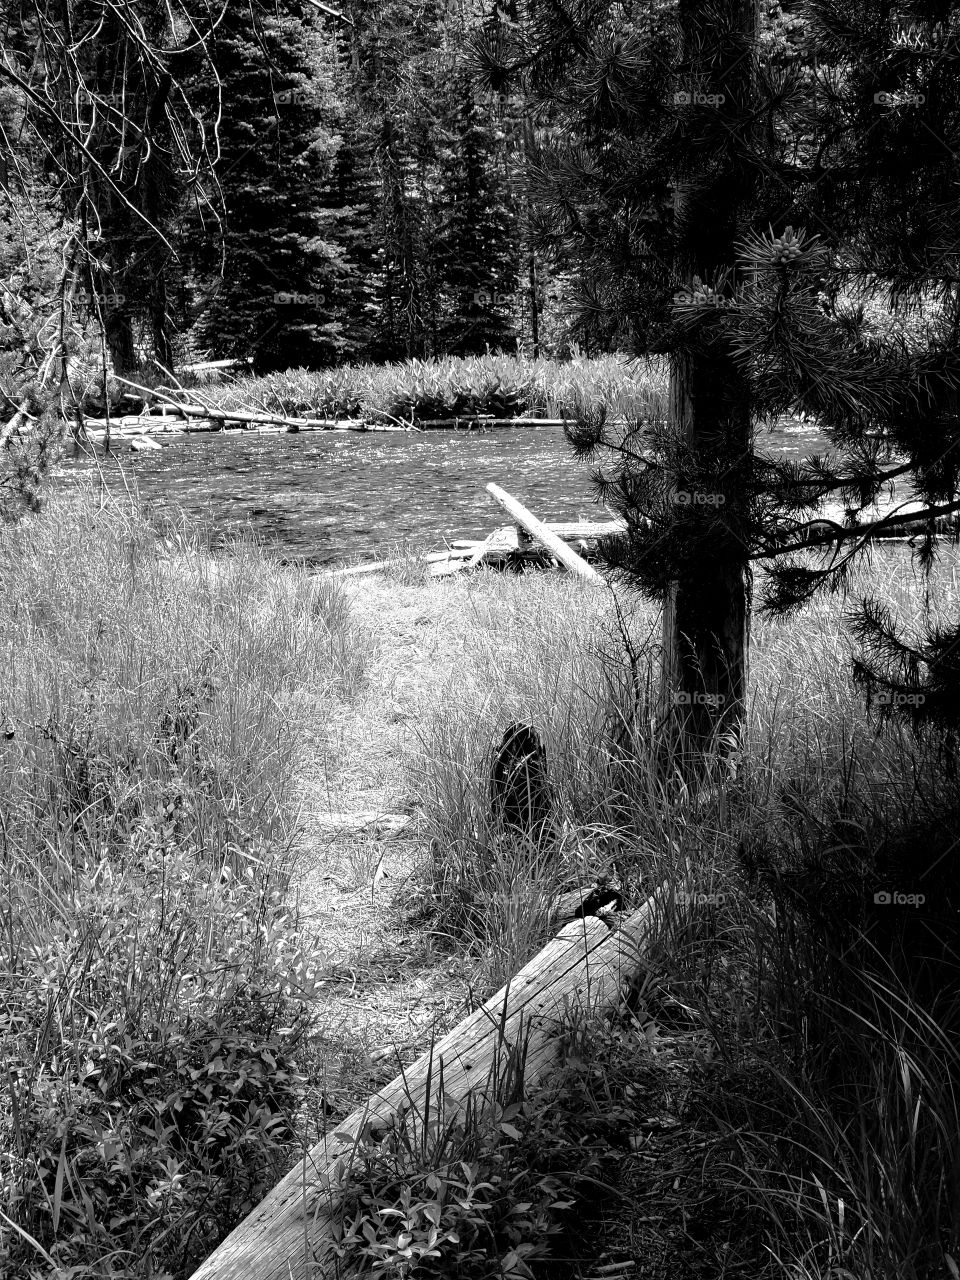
x,y
331,497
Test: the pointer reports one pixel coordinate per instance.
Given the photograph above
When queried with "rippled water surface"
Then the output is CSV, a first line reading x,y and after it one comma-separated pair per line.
x,y
335,496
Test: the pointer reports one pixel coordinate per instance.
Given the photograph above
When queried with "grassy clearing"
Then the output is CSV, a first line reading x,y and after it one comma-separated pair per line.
x,y
505,386
166,707
153,989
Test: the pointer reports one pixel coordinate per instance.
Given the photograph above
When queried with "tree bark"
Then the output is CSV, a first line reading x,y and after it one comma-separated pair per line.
x,y
706,614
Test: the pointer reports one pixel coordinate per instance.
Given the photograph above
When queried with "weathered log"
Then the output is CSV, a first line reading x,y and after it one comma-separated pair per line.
x,y
241,415
217,364
556,546
585,965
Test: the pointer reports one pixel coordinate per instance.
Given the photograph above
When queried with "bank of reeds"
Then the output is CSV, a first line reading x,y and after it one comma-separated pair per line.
x,y
453,386
153,692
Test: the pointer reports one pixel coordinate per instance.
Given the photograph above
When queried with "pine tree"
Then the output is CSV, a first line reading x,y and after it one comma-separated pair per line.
x,y
267,271
475,246
732,181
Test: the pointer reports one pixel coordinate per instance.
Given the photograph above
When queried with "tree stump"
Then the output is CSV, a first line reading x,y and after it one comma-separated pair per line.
x,y
520,795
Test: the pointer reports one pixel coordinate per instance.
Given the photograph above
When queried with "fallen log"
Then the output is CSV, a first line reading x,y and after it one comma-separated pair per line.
x,y
537,529
218,364
507,541
191,426
491,420
585,965
242,415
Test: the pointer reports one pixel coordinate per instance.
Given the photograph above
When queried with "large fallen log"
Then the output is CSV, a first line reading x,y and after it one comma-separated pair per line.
x,y
466,420
503,543
218,364
537,529
585,966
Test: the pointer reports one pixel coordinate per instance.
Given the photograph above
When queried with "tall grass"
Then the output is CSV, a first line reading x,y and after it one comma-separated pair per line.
x,y
833,1016
501,385
152,986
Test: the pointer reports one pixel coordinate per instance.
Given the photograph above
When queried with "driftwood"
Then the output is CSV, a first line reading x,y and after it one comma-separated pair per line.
x,y
537,529
218,364
242,415
584,966
203,417
494,549
502,544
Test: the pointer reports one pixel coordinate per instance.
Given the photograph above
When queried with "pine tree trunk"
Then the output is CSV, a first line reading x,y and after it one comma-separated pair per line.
x,y
706,614
118,327
705,621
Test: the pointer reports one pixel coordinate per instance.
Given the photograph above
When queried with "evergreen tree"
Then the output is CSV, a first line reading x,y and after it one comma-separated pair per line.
x,y
731,182
267,269
476,246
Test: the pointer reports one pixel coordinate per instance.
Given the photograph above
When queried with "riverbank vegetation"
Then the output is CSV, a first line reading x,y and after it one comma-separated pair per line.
x,y
761,200
153,693
777,1099
163,1017
499,385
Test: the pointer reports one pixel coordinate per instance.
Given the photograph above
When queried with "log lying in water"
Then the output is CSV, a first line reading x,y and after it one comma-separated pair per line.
x,y
585,965
503,544
213,415
485,420
537,529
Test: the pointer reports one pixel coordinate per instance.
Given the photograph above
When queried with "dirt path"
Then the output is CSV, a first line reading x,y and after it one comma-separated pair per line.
x,y
387,986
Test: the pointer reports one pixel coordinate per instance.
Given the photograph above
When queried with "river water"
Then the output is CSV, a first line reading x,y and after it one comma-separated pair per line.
x,y
329,497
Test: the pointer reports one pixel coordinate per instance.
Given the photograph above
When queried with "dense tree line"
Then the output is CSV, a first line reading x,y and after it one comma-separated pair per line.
x,y
275,179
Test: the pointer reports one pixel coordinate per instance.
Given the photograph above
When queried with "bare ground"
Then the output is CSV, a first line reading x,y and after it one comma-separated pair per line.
x,y
388,986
